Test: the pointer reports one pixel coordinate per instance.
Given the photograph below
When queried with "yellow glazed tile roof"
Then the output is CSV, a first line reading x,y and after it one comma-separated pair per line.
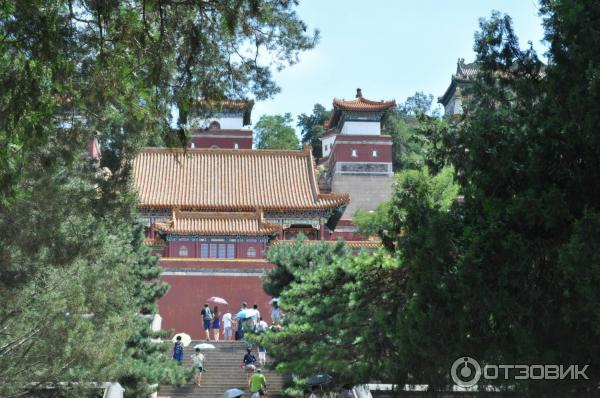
x,y
230,179
217,223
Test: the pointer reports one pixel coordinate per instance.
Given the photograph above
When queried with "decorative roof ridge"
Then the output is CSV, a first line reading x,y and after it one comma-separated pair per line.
x,y
250,152
203,215
262,227
361,100
333,195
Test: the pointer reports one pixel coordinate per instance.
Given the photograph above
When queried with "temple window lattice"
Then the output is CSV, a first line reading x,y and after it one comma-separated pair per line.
x,y
183,251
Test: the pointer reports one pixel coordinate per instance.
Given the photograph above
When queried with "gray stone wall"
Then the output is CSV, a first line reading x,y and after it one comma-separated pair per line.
x,y
366,191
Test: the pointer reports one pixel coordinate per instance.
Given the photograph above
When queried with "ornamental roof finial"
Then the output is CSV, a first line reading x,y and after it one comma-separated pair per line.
x,y
358,93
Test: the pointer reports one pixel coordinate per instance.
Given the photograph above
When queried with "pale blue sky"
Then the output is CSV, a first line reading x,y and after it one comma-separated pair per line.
x,y
389,48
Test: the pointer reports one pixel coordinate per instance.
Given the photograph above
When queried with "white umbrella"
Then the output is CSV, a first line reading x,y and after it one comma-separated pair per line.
x,y
233,393
217,300
274,300
204,346
185,339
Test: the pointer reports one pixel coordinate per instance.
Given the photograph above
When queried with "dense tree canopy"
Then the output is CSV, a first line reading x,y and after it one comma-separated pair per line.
x,y
311,128
498,245
344,312
75,278
276,132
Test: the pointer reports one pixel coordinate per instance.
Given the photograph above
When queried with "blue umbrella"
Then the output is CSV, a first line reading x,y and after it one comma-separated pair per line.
x,y
233,393
247,313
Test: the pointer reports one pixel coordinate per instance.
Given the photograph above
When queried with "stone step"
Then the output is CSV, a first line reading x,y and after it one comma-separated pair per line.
x,y
223,372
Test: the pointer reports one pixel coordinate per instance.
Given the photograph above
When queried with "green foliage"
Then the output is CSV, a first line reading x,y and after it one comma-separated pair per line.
x,y
116,69
276,132
311,128
416,192
419,103
408,124
344,313
76,69
507,271
507,275
407,151
294,259
338,315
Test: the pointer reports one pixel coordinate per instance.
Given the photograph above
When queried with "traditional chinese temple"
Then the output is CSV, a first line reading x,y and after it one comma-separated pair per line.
x,y
212,209
456,93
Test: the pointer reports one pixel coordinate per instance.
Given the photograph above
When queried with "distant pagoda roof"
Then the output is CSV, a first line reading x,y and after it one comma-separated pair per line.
x,y
465,73
359,104
230,180
228,105
218,223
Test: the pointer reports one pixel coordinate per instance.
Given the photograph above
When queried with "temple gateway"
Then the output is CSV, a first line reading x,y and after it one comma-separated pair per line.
x,y
213,209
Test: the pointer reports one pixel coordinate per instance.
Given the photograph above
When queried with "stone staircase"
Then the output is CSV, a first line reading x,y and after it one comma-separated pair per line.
x,y
223,372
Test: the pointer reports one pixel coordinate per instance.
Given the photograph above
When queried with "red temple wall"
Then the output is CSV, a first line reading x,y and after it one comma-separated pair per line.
x,y
173,250
364,153
180,307
192,264
241,249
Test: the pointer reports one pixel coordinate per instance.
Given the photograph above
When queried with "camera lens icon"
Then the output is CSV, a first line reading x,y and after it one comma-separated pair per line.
x,y
465,372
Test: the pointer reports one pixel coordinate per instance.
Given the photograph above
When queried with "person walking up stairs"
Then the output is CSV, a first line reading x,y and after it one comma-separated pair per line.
x,y
222,372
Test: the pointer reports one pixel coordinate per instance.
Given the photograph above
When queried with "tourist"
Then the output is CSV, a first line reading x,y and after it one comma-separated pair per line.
x,y
262,326
198,363
262,355
244,306
275,313
254,319
239,334
178,350
257,384
216,325
227,326
207,319
306,394
249,363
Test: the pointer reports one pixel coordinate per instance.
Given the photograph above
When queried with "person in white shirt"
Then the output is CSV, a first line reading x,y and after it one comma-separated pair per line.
x,y
227,327
256,317
198,363
262,326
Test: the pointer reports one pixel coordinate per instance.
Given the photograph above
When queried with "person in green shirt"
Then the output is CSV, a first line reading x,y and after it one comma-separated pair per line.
x,y
257,384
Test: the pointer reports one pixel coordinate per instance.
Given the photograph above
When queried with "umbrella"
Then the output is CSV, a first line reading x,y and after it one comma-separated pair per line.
x,y
320,379
185,339
247,313
204,346
217,300
274,300
233,393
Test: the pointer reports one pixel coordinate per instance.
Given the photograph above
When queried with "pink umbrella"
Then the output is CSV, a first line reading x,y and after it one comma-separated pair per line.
x,y
217,300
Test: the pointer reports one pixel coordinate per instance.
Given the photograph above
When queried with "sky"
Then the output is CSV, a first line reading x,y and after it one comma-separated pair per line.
x,y
388,48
